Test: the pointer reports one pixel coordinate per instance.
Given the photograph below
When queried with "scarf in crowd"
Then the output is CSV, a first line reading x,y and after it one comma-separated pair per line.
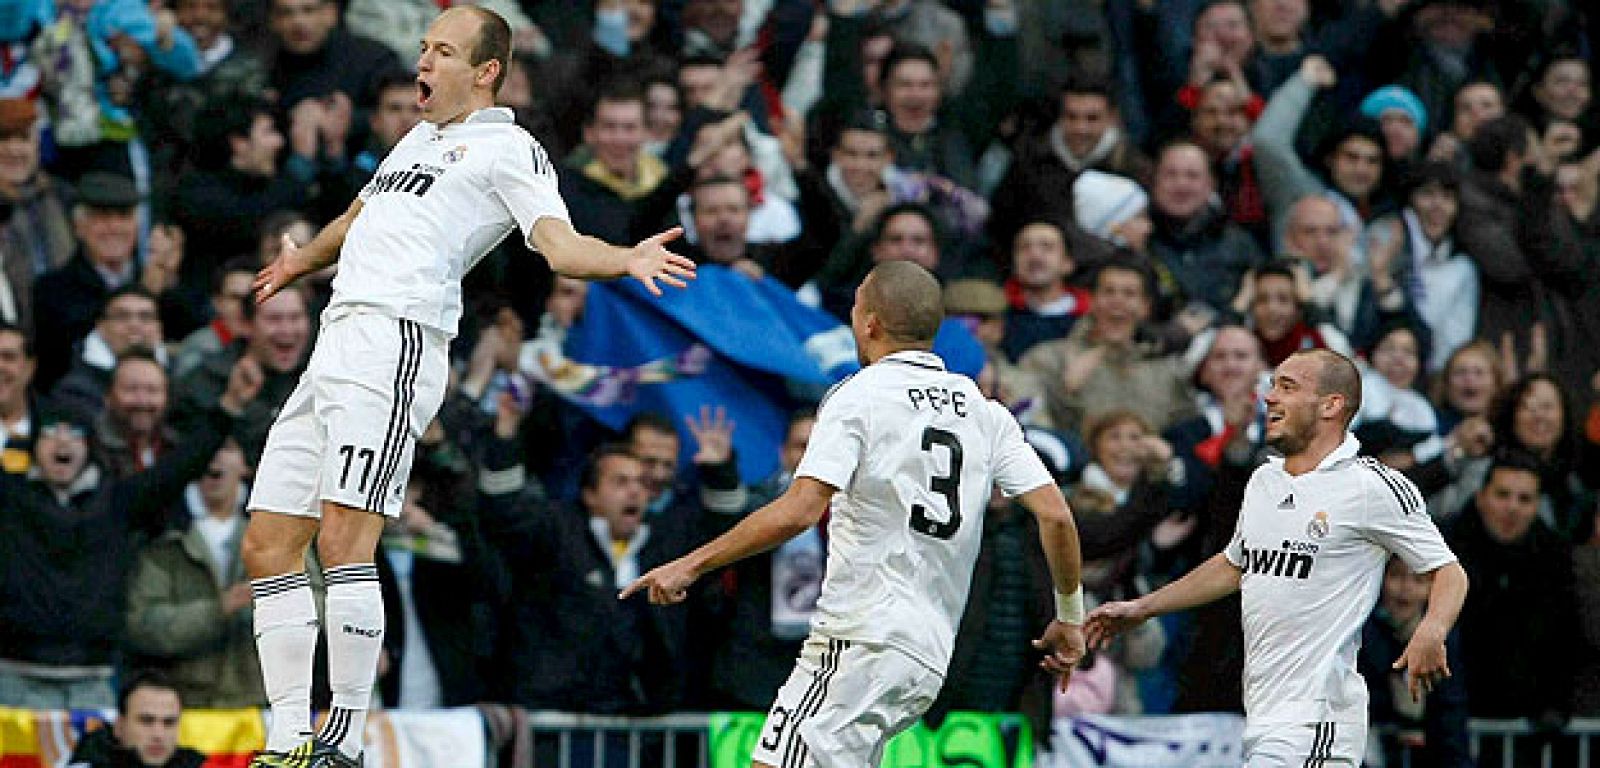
x,y
1102,149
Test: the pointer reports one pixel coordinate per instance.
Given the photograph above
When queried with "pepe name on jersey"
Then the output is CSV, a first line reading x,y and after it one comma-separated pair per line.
x,y
1290,560
938,399
416,180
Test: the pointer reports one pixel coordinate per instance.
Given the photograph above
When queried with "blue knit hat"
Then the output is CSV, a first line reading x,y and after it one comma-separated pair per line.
x,y
1396,97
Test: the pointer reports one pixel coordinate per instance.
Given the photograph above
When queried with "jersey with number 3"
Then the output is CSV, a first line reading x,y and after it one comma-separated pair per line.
x,y
913,451
441,199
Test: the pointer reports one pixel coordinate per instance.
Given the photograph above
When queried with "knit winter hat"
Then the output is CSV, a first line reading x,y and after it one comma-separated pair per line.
x,y
1396,97
1101,201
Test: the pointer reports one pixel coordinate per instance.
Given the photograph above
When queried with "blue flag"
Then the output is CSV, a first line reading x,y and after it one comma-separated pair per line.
x,y
768,352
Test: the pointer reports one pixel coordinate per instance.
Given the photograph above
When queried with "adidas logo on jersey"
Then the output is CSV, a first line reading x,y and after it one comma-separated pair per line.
x,y
1292,561
417,180
1287,503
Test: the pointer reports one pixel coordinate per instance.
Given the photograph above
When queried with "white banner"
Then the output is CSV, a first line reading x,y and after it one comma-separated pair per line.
x,y
425,739
1170,741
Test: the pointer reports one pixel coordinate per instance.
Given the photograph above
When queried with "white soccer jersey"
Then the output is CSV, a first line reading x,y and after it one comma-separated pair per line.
x,y
1313,548
914,451
441,200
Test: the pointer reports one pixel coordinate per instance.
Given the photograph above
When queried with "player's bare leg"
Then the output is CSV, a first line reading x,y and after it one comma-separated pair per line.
x,y
285,617
347,546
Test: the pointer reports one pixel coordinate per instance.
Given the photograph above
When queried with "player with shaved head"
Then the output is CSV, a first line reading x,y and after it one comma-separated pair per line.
x,y
904,454
1317,527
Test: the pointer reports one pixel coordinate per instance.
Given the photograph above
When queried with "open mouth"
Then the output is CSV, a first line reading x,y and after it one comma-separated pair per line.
x,y
1274,418
424,93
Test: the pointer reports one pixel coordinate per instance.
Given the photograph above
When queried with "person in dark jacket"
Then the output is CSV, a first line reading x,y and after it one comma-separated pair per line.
x,y
129,320
235,182
613,187
757,636
316,57
68,300
145,734
68,536
1433,729
1086,135
278,344
1530,260
132,432
440,634
569,643
1202,257
1518,626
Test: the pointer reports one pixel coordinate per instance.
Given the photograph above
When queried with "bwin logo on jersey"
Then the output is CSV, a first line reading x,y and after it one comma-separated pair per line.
x,y
417,180
1278,562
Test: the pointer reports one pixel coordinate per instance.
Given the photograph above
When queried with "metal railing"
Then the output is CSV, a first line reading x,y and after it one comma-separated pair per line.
x,y
564,740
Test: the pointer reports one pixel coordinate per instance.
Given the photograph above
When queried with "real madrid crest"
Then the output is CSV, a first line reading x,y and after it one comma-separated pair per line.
x,y
455,155
1318,527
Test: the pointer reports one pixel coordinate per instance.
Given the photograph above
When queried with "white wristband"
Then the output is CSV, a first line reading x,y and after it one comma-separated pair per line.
x,y
1069,608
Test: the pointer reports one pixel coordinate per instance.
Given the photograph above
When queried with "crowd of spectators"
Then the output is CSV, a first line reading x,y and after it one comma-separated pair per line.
x,y
1138,207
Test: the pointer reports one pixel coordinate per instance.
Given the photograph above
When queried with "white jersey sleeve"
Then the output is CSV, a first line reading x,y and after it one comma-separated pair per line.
x,y
525,181
838,441
1397,519
1017,468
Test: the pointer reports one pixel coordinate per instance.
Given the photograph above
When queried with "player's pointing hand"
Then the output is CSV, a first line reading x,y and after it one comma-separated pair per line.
x,y
1424,660
1063,648
651,261
667,584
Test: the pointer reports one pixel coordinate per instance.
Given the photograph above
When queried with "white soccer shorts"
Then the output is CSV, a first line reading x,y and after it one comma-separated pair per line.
x,y
1299,745
347,432
842,704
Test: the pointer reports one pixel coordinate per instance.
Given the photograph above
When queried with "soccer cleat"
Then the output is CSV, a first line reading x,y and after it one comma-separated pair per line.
x,y
325,755
299,757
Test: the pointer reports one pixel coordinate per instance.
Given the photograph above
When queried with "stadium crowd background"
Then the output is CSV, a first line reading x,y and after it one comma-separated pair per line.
x,y
1137,206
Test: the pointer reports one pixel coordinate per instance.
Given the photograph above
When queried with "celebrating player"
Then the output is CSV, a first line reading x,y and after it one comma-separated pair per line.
x,y
1315,532
907,453
337,459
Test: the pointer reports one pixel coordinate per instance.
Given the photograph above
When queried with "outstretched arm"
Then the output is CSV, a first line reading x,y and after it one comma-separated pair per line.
x,y
588,258
797,509
1214,579
294,261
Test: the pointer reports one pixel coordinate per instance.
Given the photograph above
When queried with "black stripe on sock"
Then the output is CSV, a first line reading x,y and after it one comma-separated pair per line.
x,y
277,585
350,574
335,727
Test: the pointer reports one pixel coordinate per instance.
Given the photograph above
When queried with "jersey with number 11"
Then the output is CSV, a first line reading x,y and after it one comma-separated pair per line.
x,y
913,451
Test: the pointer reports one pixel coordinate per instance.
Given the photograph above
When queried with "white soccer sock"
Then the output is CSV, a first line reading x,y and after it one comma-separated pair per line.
x,y
285,619
355,639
